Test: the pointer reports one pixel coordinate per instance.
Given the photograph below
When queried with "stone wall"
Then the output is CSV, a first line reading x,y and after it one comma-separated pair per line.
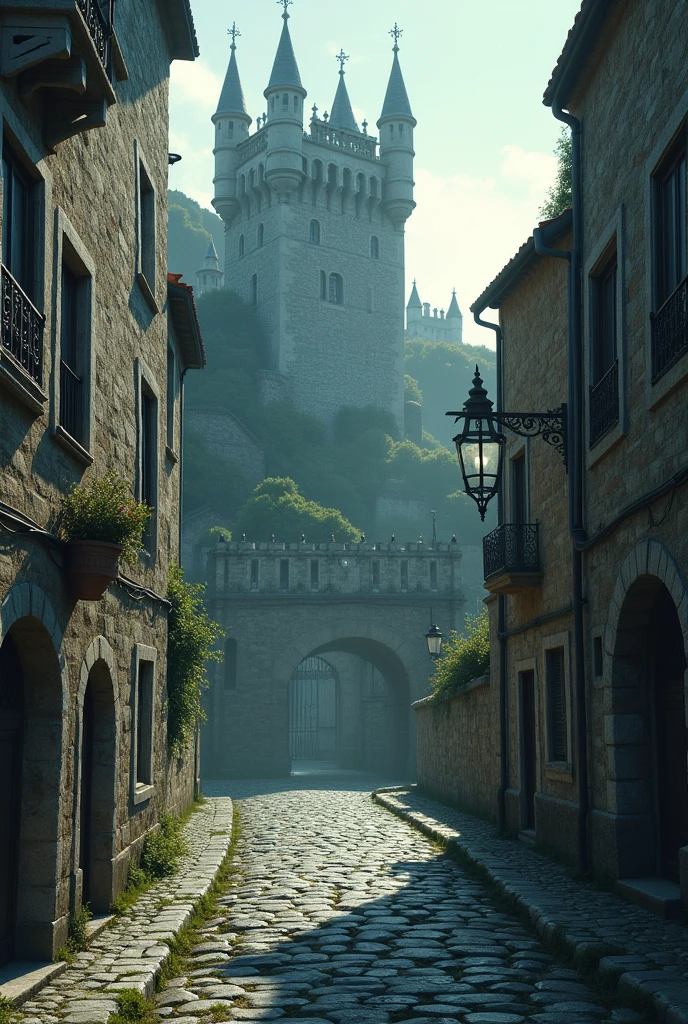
x,y
226,437
458,747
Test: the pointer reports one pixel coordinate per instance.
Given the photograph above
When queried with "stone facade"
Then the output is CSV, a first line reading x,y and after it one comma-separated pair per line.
x,y
90,383
360,608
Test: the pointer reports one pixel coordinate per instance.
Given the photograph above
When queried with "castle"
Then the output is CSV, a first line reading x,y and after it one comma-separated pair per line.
x,y
420,323
314,230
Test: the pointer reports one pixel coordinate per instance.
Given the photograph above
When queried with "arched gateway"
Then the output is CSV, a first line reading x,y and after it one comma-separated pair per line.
x,y
356,611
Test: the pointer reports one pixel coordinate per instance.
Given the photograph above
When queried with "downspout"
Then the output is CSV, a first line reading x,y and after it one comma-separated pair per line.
x,y
576,464
501,617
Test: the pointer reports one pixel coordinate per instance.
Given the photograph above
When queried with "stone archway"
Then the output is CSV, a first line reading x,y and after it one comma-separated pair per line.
x,y
95,803
646,731
28,623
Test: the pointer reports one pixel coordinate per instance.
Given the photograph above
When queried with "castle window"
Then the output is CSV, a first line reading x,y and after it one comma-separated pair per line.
x,y
391,131
314,233
285,101
323,285
230,129
296,104
373,187
336,289
242,246
375,247
261,235
254,290
401,129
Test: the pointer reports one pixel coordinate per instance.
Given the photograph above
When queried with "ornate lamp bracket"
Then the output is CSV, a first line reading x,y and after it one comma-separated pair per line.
x,y
550,426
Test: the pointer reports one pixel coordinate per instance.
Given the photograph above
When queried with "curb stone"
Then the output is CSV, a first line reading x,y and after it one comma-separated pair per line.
x,y
669,995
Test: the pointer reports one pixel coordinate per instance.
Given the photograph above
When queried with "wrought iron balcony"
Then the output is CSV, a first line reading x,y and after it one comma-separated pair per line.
x,y
511,558
100,28
670,330
21,327
604,404
71,402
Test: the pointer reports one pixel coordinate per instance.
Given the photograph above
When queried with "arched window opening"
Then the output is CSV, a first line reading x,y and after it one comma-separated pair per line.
x,y
251,179
391,131
254,290
401,129
242,246
314,233
375,247
285,101
230,129
373,188
332,174
323,285
360,183
272,103
296,104
230,665
336,289
261,235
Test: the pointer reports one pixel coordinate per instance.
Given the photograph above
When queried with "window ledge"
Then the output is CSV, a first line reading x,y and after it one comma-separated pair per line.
x,y
147,292
609,440
669,380
65,440
559,771
142,792
171,454
15,379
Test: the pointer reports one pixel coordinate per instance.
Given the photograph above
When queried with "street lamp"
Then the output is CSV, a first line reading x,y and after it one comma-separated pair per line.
x,y
480,445
434,636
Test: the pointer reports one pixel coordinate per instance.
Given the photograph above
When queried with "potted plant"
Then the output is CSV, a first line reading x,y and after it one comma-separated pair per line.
x,y
103,524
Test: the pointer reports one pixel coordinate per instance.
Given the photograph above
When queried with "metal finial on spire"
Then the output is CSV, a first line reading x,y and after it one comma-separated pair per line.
x,y
342,58
235,34
286,4
396,34
315,112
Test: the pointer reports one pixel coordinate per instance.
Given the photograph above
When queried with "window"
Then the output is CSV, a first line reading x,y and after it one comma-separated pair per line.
x,y
254,290
401,129
230,129
71,356
255,573
391,131
242,246
296,104
669,339
323,285
376,575
230,682
149,461
284,574
285,101
604,370
17,221
404,575
146,232
314,233
336,289
375,248
171,395
597,656
433,575
557,719
261,235
315,574
143,716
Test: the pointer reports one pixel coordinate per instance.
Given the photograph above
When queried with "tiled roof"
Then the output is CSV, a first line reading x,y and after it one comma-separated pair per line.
x,y
187,329
285,70
232,99
178,18
578,47
342,115
396,99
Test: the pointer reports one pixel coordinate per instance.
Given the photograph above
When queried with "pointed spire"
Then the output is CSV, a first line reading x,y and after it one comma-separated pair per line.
x,y
212,251
396,101
414,302
454,306
285,71
342,115
232,98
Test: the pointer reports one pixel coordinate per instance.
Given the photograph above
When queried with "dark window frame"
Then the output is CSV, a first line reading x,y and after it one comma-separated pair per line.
x,y
21,266
557,709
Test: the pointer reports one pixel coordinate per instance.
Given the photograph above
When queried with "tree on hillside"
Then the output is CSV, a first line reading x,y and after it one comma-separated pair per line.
x,y
190,228
277,508
559,196
412,391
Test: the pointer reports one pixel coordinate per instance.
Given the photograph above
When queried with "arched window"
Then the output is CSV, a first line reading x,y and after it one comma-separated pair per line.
x,y
401,129
230,129
391,131
242,246
375,248
323,285
272,103
261,235
296,104
254,290
230,664
314,233
285,101
336,289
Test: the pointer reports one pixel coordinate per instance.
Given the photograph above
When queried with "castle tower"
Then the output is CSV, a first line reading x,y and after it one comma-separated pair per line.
x,y
455,321
210,278
315,241
232,122
414,314
435,326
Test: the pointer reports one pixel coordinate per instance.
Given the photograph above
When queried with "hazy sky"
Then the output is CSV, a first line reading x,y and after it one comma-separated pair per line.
x,y
475,71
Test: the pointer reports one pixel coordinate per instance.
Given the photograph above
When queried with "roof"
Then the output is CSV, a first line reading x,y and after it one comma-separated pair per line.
x,y
285,70
211,251
521,264
396,99
178,20
453,306
232,99
414,302
342,115
184,315
578,49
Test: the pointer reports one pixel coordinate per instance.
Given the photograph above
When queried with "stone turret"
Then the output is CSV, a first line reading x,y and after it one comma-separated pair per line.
x,y
414,311
285,96
455,320
433,326
342,115
210,278
397,125
232,122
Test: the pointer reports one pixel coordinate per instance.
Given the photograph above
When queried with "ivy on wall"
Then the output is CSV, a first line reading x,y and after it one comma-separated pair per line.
x,y
466,656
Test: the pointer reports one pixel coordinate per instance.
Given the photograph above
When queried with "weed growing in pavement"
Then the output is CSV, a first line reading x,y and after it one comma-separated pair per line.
x,y
219,1013
132,1008
8,1012
160,855
77,934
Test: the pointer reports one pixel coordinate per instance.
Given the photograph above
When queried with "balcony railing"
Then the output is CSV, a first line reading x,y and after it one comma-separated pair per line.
x,y
512,548
21,328
604,404
71,402
670,330
99,27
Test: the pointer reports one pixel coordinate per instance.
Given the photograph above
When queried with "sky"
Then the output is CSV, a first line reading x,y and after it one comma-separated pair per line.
x,y
475,72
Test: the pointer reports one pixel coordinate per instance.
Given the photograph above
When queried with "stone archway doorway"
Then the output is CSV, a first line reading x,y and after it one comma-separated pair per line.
x,y
313,714
11,742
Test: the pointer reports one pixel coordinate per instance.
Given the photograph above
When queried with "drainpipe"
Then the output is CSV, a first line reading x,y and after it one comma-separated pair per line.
x,y
576,462
501,617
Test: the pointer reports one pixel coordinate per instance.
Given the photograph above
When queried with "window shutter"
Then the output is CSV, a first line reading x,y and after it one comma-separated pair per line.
x,y
556,699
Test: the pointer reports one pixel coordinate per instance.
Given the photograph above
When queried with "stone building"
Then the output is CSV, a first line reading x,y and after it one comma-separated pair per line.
x,y
590,614
325,651
315,235
210,278
95,342
435,326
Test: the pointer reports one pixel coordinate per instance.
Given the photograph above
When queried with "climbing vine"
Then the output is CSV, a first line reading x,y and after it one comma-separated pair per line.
x,y
192,635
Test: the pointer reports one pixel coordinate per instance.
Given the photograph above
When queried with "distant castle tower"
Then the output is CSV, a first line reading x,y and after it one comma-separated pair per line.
x,y
421,323
210,278
314,228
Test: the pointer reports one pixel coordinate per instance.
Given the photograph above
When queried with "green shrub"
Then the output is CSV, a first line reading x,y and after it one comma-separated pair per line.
x,y
190,639
132,1008
8,1012
104,509
466,657
163,848
277,507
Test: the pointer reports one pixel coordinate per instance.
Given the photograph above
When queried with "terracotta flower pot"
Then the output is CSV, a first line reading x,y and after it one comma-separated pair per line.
x,y
93,566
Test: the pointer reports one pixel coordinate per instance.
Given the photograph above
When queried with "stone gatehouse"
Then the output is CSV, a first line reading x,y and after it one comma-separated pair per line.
x,y
325,652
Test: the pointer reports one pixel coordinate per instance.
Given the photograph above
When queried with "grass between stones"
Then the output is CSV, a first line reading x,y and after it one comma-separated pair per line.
x,y
8,1012
133,1008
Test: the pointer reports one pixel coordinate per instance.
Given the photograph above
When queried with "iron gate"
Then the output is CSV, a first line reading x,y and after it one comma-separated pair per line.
x,y
313,712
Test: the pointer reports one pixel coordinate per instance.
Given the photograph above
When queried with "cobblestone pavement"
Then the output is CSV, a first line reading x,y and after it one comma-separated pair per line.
x,y
340,913
655,951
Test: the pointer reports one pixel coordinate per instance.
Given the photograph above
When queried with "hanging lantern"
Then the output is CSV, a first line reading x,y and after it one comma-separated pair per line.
x,y
479,447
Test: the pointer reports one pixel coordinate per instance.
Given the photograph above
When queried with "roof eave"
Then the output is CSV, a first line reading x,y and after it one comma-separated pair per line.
x,y
178,20
187,329
577,50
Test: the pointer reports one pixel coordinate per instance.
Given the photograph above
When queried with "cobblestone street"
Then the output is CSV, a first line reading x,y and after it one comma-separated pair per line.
x,y
339,912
